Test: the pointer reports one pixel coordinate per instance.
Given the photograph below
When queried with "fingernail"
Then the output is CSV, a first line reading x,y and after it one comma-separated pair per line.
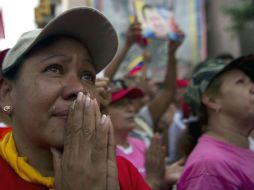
x,y
80,94
88,101
73,104
54,152
103,119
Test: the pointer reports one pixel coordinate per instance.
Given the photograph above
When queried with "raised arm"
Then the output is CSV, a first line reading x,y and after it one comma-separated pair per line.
x,y
167,92
133,33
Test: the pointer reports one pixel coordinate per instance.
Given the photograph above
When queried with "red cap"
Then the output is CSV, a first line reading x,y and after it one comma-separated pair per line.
x,y
131,93
2,55
181,83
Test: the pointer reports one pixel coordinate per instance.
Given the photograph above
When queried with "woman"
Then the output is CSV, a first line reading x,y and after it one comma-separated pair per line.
x,y
59,138
223,97
149,161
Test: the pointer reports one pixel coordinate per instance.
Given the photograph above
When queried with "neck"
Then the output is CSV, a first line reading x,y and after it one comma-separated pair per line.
x,y
228,130
38,157
121,138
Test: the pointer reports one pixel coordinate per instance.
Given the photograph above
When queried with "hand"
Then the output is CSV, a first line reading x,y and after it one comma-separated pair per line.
x,y
173,45
87,160
134,33
102,85
155,162
174,171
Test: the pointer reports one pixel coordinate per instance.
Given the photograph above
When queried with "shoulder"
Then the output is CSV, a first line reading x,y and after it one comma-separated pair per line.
x,y
137,141
4,130
129,177
11,181
209,163
208,173
209,156
206,181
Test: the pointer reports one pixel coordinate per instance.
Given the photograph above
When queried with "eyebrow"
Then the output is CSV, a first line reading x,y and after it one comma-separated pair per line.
x,y
52,56
66,58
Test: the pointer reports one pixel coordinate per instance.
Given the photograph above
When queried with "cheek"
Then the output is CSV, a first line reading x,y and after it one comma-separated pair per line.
x,y
235,103
34,95
116,117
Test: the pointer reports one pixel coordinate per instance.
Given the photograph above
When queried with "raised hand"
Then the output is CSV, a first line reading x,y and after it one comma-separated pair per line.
x,y
134,33
175,44
87,160
155,163
102,86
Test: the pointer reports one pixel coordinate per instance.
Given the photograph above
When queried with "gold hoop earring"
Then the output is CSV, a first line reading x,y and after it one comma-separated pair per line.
x,y
7,108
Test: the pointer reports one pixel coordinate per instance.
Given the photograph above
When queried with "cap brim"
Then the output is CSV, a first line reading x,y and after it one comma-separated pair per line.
x,y
244,63
91,28
130,93
88,26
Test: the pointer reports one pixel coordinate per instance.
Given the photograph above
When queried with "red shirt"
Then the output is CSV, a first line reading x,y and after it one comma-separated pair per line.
x,y
128,175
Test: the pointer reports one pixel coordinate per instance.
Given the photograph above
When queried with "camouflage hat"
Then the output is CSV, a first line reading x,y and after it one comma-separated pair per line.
x,y
208,71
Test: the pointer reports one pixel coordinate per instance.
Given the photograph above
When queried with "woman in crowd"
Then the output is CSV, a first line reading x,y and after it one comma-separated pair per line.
x,y
150,163
222,96
59,138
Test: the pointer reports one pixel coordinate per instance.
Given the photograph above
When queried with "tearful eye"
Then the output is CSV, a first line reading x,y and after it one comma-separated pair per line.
x,y
88,76
240,81
54,69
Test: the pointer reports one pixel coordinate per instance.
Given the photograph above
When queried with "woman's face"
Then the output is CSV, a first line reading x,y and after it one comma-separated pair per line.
x,y
122,115
237,95
47,85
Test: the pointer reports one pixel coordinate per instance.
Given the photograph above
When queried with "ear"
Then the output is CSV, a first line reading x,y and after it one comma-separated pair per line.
x,y
5,93
211,102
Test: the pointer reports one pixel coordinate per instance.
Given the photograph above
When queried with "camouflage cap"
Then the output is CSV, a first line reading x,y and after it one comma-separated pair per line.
x,y
207,71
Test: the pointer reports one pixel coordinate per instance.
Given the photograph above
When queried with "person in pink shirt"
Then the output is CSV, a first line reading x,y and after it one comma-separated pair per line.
x,y
222,98
121,110
135,153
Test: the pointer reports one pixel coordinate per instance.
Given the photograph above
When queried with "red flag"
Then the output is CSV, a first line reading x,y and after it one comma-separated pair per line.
x,y
1,25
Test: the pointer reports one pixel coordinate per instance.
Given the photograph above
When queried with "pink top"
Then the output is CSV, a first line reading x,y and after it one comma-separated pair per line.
x,y
214,164
135,153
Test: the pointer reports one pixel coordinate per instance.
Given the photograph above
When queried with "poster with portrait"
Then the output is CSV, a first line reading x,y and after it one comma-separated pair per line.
x,y
157,21
189,16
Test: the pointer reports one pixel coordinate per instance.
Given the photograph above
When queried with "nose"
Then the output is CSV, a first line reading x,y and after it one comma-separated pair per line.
x,y
72,85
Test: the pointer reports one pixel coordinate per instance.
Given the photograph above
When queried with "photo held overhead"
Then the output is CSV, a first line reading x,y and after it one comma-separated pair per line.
x,y
157,21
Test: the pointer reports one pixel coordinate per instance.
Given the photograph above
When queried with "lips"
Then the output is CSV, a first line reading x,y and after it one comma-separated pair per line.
x,y
130,118
62,114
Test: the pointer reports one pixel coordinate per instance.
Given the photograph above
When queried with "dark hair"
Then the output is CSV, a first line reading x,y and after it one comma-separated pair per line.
x,y
146,6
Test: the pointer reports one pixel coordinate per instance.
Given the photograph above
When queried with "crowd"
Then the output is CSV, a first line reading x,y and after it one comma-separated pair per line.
x,y
63,128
